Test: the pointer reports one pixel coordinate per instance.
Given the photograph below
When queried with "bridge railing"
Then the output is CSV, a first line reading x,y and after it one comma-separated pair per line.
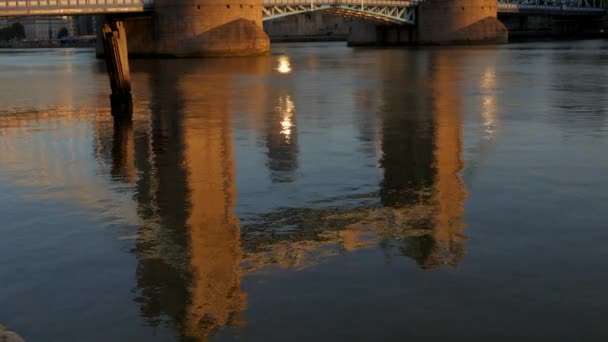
x,y
59,5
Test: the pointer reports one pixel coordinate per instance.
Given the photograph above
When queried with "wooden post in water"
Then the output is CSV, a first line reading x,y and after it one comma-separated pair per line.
x,y
117,62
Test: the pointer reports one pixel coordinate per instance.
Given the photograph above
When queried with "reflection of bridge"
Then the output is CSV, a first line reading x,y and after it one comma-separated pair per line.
x,y
174,177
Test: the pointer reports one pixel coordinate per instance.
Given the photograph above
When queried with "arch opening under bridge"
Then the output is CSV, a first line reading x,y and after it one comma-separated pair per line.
x,y
400,12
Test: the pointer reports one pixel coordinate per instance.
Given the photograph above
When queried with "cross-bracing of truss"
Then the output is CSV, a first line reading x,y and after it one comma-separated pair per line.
x,y
383,11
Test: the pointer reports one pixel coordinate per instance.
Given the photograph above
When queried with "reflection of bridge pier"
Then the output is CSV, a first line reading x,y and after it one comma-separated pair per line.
x,y
449,189
188,244
422,161
216,296
420,203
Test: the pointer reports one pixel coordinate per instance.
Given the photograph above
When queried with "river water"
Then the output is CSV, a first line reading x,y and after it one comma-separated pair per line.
x,y
321,193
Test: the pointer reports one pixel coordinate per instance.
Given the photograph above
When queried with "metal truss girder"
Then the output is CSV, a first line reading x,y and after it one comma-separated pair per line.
x,y
278,11
396,14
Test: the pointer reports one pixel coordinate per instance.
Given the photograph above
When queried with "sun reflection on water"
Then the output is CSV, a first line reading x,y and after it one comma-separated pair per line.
x,y
488,86
286,107
284,66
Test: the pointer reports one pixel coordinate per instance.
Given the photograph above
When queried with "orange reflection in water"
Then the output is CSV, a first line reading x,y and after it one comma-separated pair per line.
x,y
184,173
215,253
449,189
424,194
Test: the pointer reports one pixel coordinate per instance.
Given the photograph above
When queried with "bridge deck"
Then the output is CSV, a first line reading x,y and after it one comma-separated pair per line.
x,y
9,8
399,11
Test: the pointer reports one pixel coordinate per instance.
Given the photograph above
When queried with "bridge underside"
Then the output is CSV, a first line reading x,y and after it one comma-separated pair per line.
x,y
381,14
553,8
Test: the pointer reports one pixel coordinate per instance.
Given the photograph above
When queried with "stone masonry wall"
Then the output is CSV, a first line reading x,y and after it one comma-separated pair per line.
x,y
210,28
199,28
459,21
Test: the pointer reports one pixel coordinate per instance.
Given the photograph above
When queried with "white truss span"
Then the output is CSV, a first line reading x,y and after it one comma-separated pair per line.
x,y
382,11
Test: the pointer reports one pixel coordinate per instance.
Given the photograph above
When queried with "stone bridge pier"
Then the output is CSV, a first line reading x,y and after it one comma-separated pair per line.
x,y
438,22
198,28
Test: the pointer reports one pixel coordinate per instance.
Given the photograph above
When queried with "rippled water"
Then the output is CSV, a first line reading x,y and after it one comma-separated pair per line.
x,y
321,193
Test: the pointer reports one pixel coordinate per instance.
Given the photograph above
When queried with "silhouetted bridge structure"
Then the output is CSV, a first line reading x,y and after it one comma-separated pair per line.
x,y
392,11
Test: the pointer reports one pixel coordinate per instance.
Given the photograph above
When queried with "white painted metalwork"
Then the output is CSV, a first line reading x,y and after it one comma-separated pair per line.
x,y
403,11
387,11
71,7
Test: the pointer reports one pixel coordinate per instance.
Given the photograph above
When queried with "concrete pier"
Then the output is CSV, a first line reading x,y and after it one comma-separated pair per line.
x,y
459,21
202,28
439,22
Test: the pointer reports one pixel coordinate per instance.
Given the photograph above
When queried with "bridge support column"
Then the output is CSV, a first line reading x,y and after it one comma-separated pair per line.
x,y
459,21
438,22
117,62
199,28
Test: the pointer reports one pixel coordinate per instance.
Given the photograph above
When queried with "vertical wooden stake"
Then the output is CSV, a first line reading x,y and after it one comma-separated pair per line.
x,y
117,62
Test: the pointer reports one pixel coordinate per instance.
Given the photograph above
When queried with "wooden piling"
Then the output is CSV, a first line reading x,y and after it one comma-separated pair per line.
x,y
117,62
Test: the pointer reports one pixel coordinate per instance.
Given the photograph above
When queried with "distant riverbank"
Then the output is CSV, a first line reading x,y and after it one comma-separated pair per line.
x,y
44,44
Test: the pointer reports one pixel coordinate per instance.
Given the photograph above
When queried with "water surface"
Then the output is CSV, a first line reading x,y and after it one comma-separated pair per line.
x,y
320,193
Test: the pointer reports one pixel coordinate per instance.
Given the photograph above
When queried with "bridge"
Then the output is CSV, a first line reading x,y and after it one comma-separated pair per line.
x,y
196,28
381,11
